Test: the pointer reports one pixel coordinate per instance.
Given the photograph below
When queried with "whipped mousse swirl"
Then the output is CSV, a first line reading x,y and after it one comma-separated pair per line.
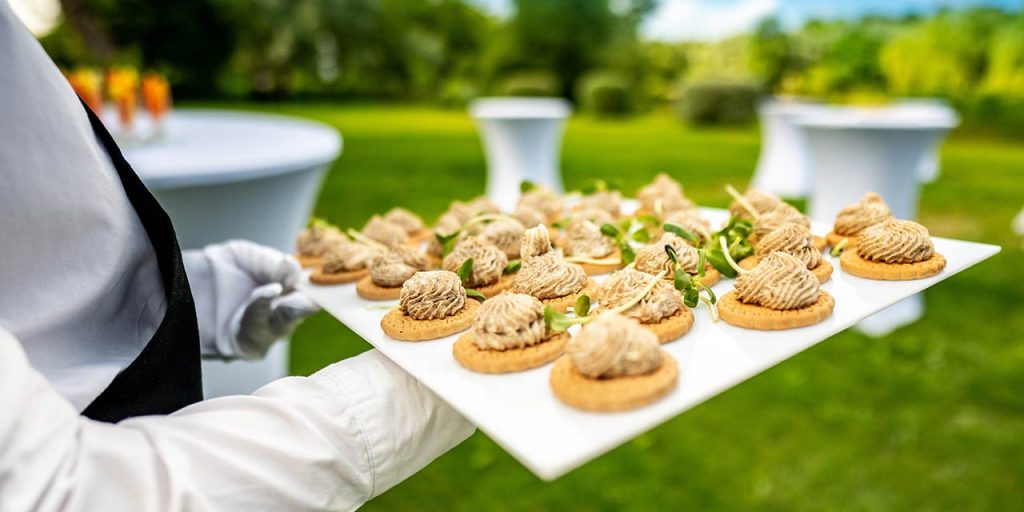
x,y
782,213
432,295
895,241
691,221
761,201
614,346
316,239
544,274
662,196
396,266
623,286
509,321
544,201
652,258
780,281
607,200
853,219
584,239
505,234
488,261
791,239
346,256
382,231
404,219
529,216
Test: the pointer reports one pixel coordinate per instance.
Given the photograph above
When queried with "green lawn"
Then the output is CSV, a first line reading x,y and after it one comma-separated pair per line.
x,y
928,418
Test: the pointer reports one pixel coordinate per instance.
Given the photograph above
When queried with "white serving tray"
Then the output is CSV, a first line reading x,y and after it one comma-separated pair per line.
x,y
519,412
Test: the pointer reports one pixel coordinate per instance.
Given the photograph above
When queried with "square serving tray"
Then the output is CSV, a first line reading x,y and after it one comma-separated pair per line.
x,y
520,413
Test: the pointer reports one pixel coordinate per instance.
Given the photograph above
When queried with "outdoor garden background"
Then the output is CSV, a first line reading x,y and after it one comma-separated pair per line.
x,y
930,417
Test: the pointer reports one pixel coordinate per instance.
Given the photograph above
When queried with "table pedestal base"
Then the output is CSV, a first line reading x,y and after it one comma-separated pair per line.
x,y
904,312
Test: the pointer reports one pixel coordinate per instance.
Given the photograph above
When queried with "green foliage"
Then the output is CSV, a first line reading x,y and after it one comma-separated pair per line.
x,y
606,93
530,83
706,103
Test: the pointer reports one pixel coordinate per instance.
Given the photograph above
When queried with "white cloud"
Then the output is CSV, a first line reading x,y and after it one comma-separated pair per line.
x,y
676,20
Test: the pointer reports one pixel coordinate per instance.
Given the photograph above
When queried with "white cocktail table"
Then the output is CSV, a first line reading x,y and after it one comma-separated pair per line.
x,y
852,151
223,175
519,412
522,140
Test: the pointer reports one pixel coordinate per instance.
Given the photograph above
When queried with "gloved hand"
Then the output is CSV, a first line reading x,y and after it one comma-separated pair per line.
x,y
245,297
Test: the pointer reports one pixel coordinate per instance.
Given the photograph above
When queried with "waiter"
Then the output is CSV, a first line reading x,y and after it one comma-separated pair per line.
x,y
102,324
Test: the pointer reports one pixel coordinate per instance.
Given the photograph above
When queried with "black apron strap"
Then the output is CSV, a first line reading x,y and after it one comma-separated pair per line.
x,y
166,376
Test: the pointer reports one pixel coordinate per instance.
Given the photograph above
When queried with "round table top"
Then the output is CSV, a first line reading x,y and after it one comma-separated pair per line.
x,y
520,108
204,147
899,116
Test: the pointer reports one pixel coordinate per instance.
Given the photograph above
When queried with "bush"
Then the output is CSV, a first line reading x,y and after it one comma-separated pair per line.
x,y
606,94
720,102
529,83
992,115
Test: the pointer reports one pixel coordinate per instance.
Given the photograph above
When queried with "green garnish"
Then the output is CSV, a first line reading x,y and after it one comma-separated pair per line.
x,y
473,294
838,249
692,286
582,306
513,267
526,186
559,322
465,270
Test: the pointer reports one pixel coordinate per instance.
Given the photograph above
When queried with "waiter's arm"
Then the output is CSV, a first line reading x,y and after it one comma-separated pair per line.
x,y
329,441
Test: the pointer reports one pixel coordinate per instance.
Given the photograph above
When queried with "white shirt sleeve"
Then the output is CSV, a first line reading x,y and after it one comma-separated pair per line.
x,y
326,442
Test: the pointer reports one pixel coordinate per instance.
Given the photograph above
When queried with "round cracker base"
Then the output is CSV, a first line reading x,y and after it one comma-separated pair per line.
x,y
402,327
823,271
819,242
504,283
370,290
609,395
853,264
833,240
309,261
753,316
673,327
562,304
320,277
479,360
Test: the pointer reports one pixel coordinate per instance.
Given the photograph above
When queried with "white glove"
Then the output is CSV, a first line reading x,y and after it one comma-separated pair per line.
x,y
245,297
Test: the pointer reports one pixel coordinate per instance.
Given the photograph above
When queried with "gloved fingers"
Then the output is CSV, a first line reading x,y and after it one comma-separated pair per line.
x,y
294,305
264,264
287,312
267,291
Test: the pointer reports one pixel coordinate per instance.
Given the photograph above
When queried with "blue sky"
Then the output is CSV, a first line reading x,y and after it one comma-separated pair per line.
x,y
714,19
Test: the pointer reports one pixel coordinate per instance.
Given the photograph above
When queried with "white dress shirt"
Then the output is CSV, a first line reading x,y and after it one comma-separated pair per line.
x,y
80,296
327,442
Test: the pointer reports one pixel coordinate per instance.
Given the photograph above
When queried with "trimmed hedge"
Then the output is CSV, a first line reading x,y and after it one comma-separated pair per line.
x,y
606,94
529,83
707,103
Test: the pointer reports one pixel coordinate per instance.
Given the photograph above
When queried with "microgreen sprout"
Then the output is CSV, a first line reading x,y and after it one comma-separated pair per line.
x,y
526,186
692,286
742,201
447,241
838,249
560,322
465,271
735,234
359,237
513,266
728,258
682,233
621,237
582,306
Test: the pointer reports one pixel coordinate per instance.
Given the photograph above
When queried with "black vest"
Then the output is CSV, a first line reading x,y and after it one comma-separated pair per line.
x,y
166,375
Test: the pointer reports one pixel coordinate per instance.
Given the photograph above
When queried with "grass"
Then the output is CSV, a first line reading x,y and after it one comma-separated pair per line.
x,y
930,417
